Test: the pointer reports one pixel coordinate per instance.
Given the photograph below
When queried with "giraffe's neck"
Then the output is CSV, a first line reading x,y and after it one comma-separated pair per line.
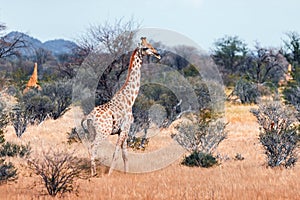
x,y
129,91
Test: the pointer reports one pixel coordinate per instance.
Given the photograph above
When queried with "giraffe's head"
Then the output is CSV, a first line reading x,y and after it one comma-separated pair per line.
x,y
148,49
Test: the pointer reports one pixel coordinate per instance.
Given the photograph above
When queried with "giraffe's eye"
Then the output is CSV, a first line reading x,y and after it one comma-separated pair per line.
x,y
145,49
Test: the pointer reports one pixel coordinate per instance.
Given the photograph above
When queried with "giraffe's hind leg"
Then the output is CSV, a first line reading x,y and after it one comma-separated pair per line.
x,y
115,157
124,155
121,143
93,154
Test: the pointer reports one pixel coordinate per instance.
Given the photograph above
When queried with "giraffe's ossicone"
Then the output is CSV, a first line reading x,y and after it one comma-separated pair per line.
x,y
115,116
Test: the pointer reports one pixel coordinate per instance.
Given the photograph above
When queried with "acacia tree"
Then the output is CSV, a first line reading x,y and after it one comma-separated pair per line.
x,y
10,46
112,44
42,55
115,39
265,65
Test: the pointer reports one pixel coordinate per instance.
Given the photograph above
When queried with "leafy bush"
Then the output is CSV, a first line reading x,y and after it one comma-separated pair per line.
x,y
60,94
11,150
35,106
247,91
279,134
3,117
7,172
19,119
58,171
200,159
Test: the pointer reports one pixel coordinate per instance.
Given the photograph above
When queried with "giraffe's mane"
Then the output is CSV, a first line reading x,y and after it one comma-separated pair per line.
x,y
132,58
130,67
131,63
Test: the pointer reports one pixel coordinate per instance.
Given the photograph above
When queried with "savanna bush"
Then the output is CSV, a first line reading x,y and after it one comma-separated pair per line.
x,y
201,137
58,171
279,133
60,94
8,172
247,91
196,159
36,106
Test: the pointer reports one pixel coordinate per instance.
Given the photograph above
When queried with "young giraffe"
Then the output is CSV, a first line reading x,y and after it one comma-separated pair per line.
x,y
115,117
33,81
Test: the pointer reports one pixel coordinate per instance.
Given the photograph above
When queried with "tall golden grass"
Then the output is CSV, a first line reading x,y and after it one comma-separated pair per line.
x,y
232,179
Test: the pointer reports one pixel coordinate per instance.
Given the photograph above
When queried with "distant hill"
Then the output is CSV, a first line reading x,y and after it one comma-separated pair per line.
x,y
56,47
59,46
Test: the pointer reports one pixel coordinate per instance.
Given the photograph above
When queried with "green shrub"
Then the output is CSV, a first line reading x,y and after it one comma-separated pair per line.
x,y
19,119
11,150
200,159
247,91
60,94
190,70
7,172
38,108
35,106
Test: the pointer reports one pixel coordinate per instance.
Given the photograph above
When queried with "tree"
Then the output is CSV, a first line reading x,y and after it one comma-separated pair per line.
x,y
265,65
229,54
291,52
109,44
292,48
115,39
42,55
10,46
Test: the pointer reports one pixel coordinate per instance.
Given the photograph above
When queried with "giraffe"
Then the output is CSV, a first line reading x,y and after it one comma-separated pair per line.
x,y
33,81
115,116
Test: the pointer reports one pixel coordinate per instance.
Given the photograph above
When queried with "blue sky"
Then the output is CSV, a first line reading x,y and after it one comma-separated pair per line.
x,y
203,21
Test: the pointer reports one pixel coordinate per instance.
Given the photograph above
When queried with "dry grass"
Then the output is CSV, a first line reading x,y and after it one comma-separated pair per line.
x,y
246,179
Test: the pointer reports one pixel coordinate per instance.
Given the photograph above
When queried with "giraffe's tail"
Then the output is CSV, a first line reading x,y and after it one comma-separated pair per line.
x,y
83,125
